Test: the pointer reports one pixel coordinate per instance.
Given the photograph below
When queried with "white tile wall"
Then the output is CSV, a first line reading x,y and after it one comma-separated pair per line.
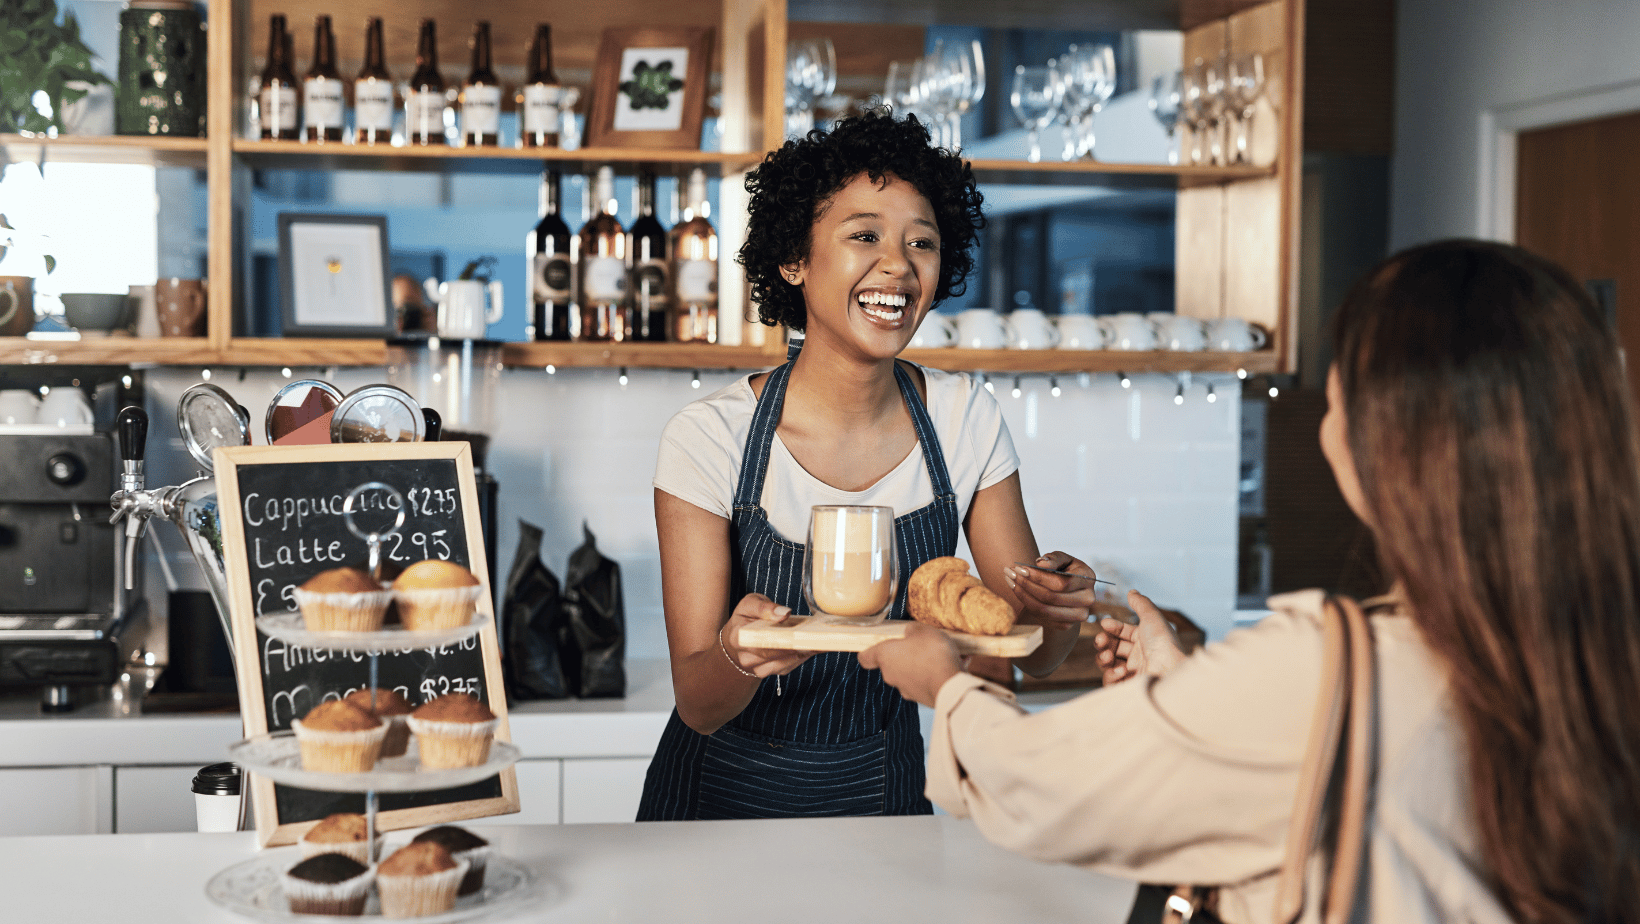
x,y
1122,476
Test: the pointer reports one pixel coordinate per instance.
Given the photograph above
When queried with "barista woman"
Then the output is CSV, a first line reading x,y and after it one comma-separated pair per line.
x,y
854,235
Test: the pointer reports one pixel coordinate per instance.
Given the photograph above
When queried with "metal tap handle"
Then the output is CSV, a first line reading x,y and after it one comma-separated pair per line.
x,y
132,426
131,502
435,424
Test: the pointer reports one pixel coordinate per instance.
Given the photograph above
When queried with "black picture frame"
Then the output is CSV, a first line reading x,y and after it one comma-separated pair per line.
x,y
356,302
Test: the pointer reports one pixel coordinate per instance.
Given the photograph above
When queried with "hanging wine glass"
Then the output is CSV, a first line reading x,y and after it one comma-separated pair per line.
x,y
1036,98
1216,104
1246,85
1193,108
1101,69
1164,105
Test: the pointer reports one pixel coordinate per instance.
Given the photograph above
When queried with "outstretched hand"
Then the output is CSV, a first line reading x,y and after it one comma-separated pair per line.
x,y
918,664
760,662
1128,650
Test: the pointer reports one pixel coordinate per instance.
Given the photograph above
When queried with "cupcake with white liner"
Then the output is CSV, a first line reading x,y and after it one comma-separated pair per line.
x,y
453,731
419,880
328,884
391,708
342,600
344,833
339,737
433,595
463,845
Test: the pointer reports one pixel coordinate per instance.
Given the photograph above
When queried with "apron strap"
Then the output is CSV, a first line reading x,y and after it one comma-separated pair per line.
x,y
755,462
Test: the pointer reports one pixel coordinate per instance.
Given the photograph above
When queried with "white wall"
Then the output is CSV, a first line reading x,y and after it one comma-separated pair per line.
x,y
1459,59
1122,476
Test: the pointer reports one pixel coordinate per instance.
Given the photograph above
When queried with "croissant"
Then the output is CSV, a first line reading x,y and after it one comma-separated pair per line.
x,y
942,593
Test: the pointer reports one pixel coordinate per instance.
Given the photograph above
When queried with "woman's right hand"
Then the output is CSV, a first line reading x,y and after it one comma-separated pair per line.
x,y
760,662
1147,648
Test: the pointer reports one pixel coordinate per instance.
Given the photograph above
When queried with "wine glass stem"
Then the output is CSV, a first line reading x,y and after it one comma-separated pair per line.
x,y
1036,146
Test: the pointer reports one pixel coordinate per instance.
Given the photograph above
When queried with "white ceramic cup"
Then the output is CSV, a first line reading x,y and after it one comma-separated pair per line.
x,y
64,407
145,308
1079,332
1030,329
1235,335
1128,331
1179,332
981,329
19,406
936,330
462,314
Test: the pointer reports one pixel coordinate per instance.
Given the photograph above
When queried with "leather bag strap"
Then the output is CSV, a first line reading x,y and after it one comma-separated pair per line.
x,y
1347,702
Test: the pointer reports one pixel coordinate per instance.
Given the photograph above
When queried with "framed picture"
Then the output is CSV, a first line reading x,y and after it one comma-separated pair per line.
x,y
649,87
333,276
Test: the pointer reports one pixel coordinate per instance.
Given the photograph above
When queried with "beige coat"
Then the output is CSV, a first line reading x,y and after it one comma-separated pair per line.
x,y
1191,777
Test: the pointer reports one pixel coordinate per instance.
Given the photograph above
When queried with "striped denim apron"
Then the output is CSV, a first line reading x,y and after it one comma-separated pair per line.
x,y
835,739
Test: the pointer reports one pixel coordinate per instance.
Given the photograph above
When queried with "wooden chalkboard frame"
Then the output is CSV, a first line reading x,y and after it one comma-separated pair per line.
x,y
271,830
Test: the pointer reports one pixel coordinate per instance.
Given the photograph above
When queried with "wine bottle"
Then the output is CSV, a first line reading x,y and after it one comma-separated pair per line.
x,y
322,88
424,101
481,96
540,98
694,249
648,285
373,91
601,266
551,274
277,98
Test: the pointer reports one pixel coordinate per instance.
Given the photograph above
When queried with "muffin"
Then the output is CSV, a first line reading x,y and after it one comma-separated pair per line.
x,y
418,880
344,833
391,708
342,600
339,737
327,884
463,845
435,594
453,731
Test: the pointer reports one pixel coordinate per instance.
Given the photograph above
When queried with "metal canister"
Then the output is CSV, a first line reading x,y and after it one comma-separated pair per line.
x,y
162,70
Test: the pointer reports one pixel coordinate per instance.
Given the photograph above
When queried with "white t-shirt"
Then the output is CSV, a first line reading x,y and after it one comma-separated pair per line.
x,y
702,447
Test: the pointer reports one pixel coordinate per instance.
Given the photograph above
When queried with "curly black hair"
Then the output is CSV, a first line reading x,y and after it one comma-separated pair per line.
x,y
794,182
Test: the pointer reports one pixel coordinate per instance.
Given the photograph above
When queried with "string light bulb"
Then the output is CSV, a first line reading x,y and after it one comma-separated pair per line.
x,y
551,369
623,378
694,378
1274,392
1016,386
1053,386
1178,394
1211,397
285,372
1241,374
205,374
1123,378
985,380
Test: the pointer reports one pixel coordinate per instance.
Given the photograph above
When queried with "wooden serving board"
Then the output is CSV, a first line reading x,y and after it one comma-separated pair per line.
x,y
799,635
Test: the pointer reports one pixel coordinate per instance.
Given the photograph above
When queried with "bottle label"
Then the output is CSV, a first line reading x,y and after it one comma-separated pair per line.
x,y
424,113
278,105
373,104
552,275
697,280
322,103
541,102
603,279
649,284
480,110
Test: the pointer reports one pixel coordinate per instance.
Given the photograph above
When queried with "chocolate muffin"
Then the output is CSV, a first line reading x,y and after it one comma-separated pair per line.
x,y
328,884
463,845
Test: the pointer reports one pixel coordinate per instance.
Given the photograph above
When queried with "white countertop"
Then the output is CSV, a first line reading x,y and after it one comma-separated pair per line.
x,y
106,732
787,871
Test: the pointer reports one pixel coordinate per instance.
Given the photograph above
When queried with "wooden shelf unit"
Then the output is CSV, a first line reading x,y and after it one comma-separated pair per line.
x,y
1236,226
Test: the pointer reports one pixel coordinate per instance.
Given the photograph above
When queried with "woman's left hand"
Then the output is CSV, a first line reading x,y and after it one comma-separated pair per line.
x,y
1060,601
916,665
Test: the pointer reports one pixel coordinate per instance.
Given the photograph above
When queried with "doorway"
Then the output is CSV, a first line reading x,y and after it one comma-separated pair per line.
x,y
1577,202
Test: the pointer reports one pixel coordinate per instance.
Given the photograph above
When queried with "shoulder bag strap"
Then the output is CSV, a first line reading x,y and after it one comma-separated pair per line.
x,y
1347,680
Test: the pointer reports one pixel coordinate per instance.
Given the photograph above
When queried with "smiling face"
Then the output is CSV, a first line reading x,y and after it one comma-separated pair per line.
x,y
872,269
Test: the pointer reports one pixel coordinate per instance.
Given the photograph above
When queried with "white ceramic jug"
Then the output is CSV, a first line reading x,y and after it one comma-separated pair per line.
x,y
462,314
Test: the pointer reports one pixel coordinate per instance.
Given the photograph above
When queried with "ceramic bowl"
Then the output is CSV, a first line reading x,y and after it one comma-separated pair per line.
x,y
97,311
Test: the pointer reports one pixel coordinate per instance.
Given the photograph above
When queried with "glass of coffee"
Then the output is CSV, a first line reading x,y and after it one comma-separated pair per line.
x,y
850,570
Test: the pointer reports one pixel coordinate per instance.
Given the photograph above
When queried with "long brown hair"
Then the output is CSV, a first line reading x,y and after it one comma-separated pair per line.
x,y
1490,423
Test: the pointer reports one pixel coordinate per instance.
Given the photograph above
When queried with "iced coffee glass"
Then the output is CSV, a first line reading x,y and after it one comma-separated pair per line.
x,y
850,570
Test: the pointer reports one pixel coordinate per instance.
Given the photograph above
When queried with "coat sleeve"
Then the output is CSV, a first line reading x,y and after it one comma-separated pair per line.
x,y
1186,778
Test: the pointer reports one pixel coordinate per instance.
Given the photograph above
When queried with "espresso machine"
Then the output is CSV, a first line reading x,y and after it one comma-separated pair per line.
x,y
62,609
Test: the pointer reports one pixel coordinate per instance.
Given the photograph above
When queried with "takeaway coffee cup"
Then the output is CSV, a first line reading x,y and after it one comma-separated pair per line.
x,y
217,797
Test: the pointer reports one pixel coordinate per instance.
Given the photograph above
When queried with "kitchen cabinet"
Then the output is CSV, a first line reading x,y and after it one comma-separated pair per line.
x,y
56,800
1236,227
602,790
154,800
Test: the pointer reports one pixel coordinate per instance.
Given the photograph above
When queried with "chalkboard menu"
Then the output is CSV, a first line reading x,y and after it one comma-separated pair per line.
x,y
282,517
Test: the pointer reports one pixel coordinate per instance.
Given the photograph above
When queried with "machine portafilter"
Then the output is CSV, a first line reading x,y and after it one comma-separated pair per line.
x,y
190,506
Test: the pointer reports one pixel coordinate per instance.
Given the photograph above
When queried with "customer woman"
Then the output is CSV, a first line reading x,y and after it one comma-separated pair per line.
x,y
1479,423
854,236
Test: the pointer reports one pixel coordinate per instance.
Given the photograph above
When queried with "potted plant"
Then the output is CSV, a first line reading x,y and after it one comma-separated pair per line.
x,y
37,53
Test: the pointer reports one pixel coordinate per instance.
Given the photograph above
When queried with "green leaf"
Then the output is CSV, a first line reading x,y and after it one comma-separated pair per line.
x,y
51,262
